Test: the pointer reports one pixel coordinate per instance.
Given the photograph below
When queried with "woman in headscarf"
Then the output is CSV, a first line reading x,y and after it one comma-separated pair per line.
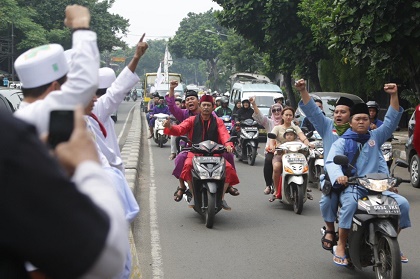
x,y
237,106
268,124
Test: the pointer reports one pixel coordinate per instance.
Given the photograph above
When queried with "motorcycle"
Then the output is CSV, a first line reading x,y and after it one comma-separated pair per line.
x,y
316,159
388,152
208,175
294,179
247,144
373,239
159,137
227,120
134,95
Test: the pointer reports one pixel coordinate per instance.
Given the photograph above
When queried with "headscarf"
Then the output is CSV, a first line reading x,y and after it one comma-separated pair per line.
x,y
276,120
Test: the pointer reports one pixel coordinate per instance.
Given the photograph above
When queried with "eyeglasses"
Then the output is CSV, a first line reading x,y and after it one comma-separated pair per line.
x,y
275,110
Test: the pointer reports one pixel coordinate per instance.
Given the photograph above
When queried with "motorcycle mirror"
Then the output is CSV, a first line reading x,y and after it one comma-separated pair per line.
x,y
271,136
341,160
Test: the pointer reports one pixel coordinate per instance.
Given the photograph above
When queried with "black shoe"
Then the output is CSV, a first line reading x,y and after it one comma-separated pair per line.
x,y
225,206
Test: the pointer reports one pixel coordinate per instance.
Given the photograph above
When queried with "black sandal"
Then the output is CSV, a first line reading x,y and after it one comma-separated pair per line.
x,y
325,242
177,196
233,191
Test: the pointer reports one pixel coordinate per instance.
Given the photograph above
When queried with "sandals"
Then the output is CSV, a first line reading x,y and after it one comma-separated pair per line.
x,y
233,191
338,260
177,196
404,259
273,198
267,190
325,242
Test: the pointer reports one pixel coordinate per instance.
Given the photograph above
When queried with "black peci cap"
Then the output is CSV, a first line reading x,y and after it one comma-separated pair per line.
x,y
343,101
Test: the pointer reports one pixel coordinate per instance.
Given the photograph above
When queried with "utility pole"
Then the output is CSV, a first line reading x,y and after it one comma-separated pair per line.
x,y
13,52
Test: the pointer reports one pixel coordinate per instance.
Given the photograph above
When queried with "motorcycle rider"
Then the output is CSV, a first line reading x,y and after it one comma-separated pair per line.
x,y
203,126
288,114
279,99
159,108
306,123
223,109
192,108
245,112
174,150
373,115
238,105
329,130
268,124
352,140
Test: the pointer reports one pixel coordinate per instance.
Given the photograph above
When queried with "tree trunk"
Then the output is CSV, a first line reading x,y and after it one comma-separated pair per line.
x,y
314,78
289,90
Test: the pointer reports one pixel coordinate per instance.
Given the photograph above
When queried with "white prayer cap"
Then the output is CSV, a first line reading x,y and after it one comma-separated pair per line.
x,y
41,65
106,77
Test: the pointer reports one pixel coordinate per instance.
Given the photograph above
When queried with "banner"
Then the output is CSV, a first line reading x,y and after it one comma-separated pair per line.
x,y
167,62
159,77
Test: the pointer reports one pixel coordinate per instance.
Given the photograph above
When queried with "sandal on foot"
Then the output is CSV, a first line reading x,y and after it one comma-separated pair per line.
x,y
225,206
267,190
273,198
325,242
404,259
177,196
233,191
338,260
309,196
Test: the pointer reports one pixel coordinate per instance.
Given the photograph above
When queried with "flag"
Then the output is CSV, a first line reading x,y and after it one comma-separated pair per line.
x,y
159,77
167,62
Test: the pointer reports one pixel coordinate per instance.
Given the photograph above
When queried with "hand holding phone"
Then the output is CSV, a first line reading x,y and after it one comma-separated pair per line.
x,y
60,127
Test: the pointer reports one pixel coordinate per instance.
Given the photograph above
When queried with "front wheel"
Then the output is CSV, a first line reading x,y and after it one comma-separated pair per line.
x,y
252,154
389,266
414,171
211,209
160,141
298,197
319,171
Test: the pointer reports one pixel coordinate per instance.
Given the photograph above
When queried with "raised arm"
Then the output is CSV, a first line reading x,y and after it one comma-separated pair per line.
x,y
300,86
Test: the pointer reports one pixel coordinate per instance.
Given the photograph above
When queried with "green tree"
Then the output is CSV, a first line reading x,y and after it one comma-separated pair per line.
x,y
381,35
193,42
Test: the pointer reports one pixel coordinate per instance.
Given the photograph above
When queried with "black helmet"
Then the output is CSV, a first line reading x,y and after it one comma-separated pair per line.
x,y
373,104
156,94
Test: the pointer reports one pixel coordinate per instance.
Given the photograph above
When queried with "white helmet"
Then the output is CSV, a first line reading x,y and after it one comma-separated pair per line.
x,y
218,99
278,96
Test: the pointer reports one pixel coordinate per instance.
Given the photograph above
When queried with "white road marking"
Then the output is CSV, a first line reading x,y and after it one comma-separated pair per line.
x,y
157,262
125,124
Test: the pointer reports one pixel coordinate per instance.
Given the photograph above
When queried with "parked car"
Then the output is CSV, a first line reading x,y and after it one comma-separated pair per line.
x,y
328,103
411,124
14,96
413,161
5,105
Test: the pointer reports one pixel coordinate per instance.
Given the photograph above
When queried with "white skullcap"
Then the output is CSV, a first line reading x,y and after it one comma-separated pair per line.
x,y
106,77
41,65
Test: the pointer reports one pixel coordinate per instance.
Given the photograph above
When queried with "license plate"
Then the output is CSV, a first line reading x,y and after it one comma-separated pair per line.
x,y
296,160
206,160
250,129
383,209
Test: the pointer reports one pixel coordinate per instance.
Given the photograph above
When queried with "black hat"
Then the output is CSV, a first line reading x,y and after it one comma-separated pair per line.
x,y
359,108
191,93
161,98
343,101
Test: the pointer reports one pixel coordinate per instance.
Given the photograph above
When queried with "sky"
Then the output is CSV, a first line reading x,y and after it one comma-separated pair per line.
x,y
159,19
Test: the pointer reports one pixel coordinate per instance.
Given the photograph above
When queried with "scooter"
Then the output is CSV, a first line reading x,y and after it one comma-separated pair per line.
x,y
373,239
388,152
159,137
316,160
247,144
294,179
227,120
208,175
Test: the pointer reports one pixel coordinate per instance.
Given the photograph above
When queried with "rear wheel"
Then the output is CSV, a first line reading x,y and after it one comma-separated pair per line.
x,y
252,154
211,209
298,197
414,171
389,266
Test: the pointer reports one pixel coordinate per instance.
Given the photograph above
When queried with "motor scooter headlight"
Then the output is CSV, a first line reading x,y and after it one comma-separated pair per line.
x,y
217,173
202,172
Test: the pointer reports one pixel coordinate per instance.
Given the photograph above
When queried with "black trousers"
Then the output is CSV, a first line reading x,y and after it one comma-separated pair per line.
x,y
268,168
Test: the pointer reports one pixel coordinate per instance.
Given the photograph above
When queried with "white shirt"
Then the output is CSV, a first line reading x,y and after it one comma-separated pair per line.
x,y
80,87
109,103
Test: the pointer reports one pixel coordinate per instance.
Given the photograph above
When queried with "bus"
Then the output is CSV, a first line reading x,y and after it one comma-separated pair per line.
x,y
149,82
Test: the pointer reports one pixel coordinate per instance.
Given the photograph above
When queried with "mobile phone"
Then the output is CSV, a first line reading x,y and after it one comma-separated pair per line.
x,y
60,127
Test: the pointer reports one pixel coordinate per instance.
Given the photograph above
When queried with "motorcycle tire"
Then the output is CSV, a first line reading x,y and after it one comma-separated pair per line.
x,y
210,210
319,171
252,154
389,254
160,141
298,198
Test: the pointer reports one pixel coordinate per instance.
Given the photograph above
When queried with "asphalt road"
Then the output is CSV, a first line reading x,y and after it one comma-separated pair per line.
x,y
257,239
